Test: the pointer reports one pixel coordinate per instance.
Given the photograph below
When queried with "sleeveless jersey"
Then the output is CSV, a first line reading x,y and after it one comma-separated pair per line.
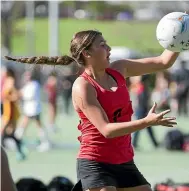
x,y
118,107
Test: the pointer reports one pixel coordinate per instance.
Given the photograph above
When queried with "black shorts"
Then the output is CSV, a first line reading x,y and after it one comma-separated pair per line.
x,y
36,117
92,174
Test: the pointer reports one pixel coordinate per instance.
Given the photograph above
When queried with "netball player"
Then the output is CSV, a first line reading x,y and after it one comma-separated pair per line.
x,y
51,90
31,98
101,99
11,112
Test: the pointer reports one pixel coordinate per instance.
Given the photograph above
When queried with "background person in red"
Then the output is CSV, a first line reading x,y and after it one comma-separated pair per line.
x,y
51,90
100,96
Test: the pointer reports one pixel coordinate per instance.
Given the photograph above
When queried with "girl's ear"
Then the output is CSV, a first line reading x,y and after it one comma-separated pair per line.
x,y
86,53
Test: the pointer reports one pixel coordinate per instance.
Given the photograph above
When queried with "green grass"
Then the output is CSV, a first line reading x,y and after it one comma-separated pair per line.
x,y
156,165
137,35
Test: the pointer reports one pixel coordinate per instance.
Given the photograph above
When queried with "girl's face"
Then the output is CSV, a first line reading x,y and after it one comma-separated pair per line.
x,y
99,53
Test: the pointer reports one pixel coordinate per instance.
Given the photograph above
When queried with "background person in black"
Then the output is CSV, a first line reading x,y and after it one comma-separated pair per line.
x,y
67,79
181,78
142,108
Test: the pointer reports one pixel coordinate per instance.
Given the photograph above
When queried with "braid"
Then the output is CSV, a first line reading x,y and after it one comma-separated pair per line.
x,y
56,60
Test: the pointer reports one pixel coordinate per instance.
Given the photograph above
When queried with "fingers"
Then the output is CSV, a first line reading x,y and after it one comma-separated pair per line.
x,y
168,125
152,110
168,118
164,113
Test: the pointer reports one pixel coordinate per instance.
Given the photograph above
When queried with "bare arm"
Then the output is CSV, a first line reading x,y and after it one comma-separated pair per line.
x,y
6,178
84,98
137,67
13,96
11,92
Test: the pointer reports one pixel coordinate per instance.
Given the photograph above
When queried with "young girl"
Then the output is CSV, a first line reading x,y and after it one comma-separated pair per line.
x,y
11,112
31,99
101,99
51,90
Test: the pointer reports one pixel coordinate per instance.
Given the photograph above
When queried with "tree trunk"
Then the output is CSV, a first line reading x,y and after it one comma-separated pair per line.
x,y
8,18
6,32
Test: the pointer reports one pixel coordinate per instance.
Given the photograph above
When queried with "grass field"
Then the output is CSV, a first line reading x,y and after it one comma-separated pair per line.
x,y
136,35
156,165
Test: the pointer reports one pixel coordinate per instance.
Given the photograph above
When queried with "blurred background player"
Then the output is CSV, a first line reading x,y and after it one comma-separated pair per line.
x,y
52,91
11,111
181,79
142,106
161,93
31,104
68,76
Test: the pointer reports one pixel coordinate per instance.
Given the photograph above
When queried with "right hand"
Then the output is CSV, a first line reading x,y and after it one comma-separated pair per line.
x,y
158,119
